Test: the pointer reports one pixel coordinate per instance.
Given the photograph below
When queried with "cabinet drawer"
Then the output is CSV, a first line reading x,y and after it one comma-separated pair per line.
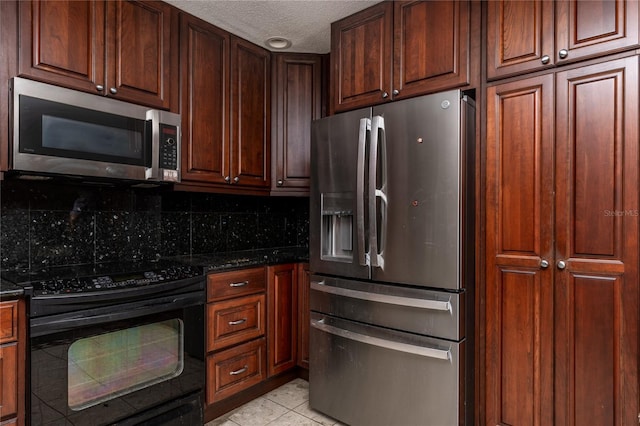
x,y
8,380
8,321
235,283
234,321
235,369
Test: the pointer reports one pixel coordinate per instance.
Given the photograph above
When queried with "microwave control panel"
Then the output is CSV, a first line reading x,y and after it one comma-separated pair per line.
x,y
168,147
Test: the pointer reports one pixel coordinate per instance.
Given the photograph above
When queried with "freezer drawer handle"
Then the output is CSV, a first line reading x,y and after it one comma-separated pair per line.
x,y
383,343
240,371
237,322
240,284
434,305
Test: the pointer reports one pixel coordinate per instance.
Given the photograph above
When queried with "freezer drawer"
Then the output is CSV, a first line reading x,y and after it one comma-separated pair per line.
x,y
365,375
433,313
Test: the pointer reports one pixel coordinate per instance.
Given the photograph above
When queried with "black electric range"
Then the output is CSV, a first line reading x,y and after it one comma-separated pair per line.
x,y
72,288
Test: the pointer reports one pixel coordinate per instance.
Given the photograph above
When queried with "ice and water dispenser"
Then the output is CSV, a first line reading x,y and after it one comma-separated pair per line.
x,y
337,227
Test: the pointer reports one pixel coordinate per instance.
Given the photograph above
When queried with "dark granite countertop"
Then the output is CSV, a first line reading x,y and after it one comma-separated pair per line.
x,y
15,281
9,290
216,262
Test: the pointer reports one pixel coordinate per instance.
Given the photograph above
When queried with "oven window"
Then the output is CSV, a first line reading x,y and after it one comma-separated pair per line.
x,y
113,364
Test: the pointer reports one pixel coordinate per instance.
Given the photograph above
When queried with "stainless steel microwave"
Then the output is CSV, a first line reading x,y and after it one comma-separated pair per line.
x,y
58,131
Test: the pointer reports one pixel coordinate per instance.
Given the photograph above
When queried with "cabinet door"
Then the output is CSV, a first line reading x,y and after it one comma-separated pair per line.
x,y
431,46
596,289
140,41
519,36
250,114
519,236
595,27
361,58
304,282
204,58
282,298
62,42
297,102
8,69
8,380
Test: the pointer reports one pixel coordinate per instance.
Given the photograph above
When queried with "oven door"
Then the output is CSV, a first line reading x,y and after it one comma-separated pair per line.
x,y
132,364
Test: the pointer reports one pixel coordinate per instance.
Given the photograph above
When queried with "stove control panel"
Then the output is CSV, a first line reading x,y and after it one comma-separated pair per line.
x,y
115,281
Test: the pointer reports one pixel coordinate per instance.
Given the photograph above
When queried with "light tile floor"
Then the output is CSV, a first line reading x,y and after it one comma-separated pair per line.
x,y
287,405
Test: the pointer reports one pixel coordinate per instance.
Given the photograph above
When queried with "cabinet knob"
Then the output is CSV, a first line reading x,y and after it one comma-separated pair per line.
x,y
562,264
395,92
280,182
544,263
113,90
545,59
99,87
236,179
385,95
227,179
563,53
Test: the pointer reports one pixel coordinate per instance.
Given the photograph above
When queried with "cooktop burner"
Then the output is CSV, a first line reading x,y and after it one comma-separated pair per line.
x,y
101,277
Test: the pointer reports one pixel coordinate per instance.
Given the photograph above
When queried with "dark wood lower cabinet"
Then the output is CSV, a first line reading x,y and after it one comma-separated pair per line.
x,y
282,302
12,361
304,281
235,369
257,326
236,320
562,231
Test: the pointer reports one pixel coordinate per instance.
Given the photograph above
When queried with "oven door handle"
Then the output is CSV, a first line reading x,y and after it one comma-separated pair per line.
x,y
57,323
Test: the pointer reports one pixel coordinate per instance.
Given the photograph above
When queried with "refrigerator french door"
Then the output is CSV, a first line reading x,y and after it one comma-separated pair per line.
x,y
391,253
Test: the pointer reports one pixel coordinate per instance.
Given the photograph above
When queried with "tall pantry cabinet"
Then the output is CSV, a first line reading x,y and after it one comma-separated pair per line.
x,y
562,222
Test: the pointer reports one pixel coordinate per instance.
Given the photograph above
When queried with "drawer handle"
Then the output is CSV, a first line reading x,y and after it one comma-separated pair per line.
x,y
240,371
237,322
240,284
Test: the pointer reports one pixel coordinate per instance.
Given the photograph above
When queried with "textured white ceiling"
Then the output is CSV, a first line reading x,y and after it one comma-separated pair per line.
x,y
307,23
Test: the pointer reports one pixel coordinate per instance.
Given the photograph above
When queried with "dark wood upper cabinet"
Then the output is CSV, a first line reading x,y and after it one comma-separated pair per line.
x,y
297,100
395,50
431,46
142,52
562,259
8,69
204,58
361,52
121,49
250,114
524,36
226,109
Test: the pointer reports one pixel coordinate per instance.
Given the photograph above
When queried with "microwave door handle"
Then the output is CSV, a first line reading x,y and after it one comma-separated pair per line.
x,y
365,128
153,121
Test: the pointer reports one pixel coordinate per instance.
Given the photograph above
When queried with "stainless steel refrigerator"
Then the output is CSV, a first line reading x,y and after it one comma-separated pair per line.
x,y
392,261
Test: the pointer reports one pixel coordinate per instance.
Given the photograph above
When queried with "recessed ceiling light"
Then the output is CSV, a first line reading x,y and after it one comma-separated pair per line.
x,y
278,43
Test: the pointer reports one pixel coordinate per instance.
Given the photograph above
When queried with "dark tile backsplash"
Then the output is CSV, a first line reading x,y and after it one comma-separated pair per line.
x,y
54,224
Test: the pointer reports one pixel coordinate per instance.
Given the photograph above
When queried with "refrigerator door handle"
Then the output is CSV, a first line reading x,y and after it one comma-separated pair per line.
x,y
365,127
424,351
377,128
433,305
